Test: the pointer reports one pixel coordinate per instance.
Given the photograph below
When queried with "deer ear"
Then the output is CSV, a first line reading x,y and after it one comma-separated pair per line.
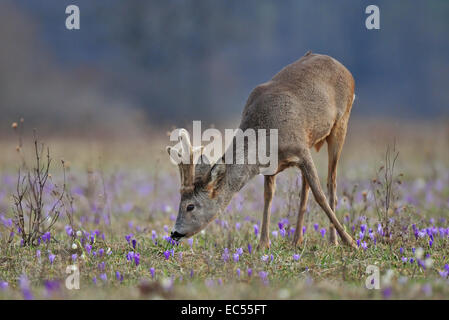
x,y
202,168
197,154
216,175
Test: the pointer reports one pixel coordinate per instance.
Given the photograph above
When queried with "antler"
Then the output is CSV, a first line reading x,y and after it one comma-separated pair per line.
x,y
185,159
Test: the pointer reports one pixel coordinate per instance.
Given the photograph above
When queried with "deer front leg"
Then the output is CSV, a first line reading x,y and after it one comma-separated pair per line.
x,y
269,188
298,237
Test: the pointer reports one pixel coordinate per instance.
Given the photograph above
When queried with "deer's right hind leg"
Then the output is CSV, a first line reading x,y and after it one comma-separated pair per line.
x,y
309,171
335,142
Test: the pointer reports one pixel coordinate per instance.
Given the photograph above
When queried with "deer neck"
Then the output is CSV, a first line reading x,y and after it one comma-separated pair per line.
x,y
236,176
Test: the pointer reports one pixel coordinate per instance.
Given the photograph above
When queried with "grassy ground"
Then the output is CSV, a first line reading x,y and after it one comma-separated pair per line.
x,y
127,190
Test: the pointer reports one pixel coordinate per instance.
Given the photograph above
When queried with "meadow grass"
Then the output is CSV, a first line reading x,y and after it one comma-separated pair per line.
x,y
125,203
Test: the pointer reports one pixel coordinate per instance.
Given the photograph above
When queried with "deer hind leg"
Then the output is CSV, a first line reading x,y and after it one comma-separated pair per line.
x,y
309,171
269,188
335,142
299,234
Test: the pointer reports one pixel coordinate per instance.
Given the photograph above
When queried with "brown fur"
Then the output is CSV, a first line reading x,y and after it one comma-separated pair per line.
x,y
309,102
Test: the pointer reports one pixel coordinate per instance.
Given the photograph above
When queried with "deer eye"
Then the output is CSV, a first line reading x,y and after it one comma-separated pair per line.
x,y
190,207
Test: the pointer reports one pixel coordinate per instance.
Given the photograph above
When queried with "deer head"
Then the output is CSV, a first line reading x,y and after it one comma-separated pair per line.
x,y
201,184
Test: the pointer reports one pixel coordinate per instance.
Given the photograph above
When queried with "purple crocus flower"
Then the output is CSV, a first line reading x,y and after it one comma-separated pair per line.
x,y
51,257
238,272
134,243
387,293
323,232
24,285
128,237
421,263
46,237
104,277
51,286
94,280
264,258
404,259
363,228
235,256
88,248
225,255
250,248
100,252
239,251
118,276
256,229
130,256
74,257
69,230
263,276
38,254
380,229
316,226
191,273
3,285
401,250
152,272
238,225
137,258
167,254
364,245
282,232
190,242
250,272
296,257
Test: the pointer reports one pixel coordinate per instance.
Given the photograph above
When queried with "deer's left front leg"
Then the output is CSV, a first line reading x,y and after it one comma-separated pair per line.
x,y
269,188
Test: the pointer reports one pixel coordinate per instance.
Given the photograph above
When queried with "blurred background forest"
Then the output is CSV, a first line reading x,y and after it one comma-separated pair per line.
x,y
161,63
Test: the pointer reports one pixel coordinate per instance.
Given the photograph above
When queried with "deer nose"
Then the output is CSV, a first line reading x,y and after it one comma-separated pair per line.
x,y
175,235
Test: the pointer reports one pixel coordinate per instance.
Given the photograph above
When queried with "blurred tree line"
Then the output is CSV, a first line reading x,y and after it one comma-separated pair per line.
x,y
199,59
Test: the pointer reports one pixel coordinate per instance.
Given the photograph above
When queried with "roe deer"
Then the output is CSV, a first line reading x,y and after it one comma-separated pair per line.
x,y
309,103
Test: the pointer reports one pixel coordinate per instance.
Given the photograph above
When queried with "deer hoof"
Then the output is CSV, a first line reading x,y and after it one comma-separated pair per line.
x,y
263,244
297,241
